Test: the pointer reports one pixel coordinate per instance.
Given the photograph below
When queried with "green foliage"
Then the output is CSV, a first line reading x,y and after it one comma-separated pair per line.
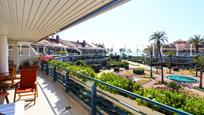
x,y
81,69
95,67
138,71
176,69
116,69
80,63
171,98
115,80
117,63
177,100
173,85
137,88
61,52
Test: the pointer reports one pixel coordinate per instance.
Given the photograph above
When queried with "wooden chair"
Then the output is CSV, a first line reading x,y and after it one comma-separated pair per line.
x,y
10,77
4,94
28,83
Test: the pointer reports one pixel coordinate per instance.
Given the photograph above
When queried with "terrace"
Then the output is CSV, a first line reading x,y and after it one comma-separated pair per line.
x,y
52,98
30,21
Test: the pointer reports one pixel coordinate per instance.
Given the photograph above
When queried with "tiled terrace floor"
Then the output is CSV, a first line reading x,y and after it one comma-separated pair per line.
x,y
52,100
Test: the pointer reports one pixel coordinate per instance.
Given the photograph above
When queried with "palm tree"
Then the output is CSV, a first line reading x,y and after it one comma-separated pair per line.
x,y
196,40
200,61
159,38
129,51
149,51
170,54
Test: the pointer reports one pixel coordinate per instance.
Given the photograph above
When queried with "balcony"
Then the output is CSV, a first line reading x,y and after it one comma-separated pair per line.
x,y
58,91
52,98
99,101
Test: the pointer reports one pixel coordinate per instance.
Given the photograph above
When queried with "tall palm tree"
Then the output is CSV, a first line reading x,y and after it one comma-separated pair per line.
x,y
170,54
196,40
149,52
159,39
200,61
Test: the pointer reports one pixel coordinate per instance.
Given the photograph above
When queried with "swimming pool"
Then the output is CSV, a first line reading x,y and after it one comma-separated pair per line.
x,y
181,78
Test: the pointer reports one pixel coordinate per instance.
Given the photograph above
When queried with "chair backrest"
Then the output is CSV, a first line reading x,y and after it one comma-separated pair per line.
x,y
12,72
28,77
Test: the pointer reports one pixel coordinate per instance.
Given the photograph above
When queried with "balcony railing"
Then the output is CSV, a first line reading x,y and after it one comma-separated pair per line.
x,y
99,101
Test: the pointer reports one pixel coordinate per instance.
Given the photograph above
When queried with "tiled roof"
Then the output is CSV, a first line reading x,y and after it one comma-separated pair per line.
x,y
68,44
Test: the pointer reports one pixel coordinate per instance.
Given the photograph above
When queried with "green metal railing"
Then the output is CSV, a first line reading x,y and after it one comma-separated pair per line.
x,y
97,99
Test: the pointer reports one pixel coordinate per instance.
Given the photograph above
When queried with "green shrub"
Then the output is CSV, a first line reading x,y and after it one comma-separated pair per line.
x,y
96,68
80,63
126,67
138,71
173,85
116,69
115,80
176,69
75,68
137,87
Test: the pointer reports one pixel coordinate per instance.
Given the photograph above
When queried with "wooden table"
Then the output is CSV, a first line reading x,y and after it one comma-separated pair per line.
x,y
13,108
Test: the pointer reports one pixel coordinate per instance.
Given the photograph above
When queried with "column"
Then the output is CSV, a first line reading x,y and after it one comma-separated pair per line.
x,y
3,54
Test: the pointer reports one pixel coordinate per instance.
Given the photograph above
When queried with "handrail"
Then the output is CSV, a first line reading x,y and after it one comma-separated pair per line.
x,y
169,108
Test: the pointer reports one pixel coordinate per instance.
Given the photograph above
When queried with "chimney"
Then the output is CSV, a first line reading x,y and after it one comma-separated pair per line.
x,y
57,39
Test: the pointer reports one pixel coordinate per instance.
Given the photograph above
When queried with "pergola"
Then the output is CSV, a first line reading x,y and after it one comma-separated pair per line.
x,y
32,20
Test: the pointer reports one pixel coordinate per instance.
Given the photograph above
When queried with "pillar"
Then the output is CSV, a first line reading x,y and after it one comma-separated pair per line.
x,y
3,54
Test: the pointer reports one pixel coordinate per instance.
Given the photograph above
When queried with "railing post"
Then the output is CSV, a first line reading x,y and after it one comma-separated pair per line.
x,y
67,81
93,103
47,68
55,74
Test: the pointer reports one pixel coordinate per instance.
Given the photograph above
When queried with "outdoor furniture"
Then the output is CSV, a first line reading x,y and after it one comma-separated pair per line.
x,y
7,81
28,83
9,77
12,109
4,94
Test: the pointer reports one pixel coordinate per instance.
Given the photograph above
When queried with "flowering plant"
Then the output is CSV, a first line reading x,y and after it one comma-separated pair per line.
x,y
46,58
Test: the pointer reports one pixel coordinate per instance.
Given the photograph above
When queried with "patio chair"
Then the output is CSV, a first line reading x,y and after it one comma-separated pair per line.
x,y
4,94
28,83
8,78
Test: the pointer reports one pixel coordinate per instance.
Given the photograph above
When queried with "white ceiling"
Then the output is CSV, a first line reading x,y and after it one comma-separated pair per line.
x,y
31,20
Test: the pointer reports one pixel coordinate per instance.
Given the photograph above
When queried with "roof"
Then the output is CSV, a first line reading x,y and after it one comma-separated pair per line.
x,y
67,44
181,41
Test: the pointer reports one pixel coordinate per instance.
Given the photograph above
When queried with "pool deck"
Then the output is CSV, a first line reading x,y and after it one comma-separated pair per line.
x,y
151,84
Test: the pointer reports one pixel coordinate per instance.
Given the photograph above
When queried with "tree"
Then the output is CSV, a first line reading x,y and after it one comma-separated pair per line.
x,y
122,52
159,39
149,52
170,54
196,40
200,61
129,51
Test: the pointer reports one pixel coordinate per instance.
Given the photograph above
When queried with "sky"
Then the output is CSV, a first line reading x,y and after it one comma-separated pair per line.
x,y
131,24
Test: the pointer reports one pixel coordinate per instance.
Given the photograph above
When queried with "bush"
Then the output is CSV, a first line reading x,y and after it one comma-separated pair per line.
x,y
80,63
116,69
115,80
95,67
137,87
176,69
173,85
138,71
126,67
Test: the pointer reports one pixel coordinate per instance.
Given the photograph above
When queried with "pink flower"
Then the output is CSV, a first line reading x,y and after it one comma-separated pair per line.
x,y
46,58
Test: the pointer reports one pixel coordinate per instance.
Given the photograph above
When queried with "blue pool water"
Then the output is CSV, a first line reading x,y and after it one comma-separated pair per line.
x,y
181,78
